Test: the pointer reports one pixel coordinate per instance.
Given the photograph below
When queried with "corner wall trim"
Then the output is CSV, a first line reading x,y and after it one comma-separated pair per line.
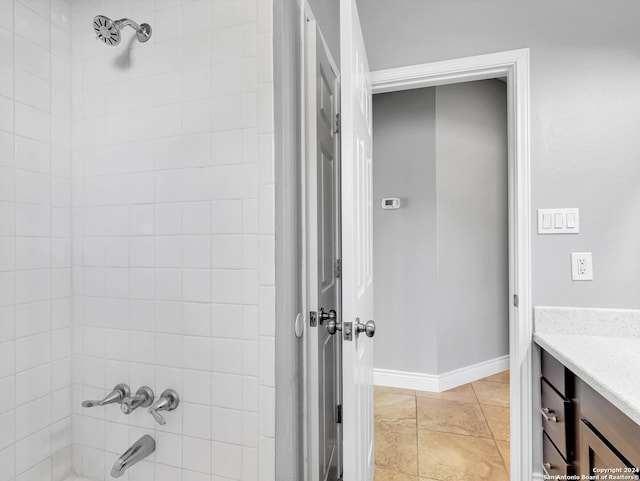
x,y
440,382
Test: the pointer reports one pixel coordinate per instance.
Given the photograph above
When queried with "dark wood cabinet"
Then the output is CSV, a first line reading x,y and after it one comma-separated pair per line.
x,y
583,433
596,455
556,409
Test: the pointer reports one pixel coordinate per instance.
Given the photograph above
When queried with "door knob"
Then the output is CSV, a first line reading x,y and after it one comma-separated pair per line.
x,y
333,326
369,328
327,316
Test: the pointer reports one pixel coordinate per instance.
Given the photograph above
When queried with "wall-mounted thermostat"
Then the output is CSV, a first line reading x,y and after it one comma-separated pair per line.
x,y
391,203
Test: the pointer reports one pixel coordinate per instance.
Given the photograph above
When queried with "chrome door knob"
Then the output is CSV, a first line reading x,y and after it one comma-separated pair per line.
x,y
369,328
333,326
327,316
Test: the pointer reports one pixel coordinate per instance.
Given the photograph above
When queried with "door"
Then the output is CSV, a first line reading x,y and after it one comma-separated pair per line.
x,y
324,251
357,249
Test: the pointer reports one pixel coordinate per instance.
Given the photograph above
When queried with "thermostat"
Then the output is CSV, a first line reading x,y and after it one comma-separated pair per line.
x,y
391,203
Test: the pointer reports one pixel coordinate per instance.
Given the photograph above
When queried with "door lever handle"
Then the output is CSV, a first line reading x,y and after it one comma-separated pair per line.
x,y
167,401
119,392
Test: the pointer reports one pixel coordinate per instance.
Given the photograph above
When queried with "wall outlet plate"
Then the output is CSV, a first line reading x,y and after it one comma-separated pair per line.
x,y
581,266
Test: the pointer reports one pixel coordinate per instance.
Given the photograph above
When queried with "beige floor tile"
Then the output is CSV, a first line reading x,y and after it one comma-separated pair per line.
x,y
394,390
462,393
452,417
396,448
502,377
505,449
384,475
492,393
395,408
498,420
452,457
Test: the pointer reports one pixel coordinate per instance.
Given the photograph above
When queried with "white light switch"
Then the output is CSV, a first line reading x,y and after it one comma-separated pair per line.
x,y
559,221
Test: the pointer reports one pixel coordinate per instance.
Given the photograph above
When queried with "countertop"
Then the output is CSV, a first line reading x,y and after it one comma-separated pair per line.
x,y
605,355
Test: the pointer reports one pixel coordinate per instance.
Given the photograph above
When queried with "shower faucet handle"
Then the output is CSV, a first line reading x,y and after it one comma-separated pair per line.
x,y
143,397
167,401
117,395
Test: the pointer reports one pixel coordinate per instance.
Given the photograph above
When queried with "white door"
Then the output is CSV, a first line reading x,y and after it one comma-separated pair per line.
x,y
323,198
357,249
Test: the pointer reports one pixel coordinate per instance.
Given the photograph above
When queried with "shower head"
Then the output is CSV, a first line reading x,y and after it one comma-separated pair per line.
x,y
108,30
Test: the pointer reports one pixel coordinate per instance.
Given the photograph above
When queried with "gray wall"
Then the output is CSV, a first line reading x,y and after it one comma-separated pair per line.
x,y
473,263
327,13
440,261
405,263
585,113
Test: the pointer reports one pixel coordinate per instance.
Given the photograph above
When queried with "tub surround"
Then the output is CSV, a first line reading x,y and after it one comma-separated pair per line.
x,y
601,346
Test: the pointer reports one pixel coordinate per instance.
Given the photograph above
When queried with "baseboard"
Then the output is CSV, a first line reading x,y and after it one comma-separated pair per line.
x,y
439,382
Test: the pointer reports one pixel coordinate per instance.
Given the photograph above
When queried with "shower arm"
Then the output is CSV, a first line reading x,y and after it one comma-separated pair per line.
x,y
125,22
143,32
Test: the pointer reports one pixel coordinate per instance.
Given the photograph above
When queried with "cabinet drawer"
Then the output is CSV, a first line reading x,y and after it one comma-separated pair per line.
x,y
557,419
552,461
555,373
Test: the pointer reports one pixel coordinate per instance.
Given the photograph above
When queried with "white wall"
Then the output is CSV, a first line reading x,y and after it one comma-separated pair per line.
x,y
173,236
441,260
585,110
35,247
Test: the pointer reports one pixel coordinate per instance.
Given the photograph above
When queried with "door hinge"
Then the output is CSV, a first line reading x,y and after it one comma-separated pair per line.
x,y
339,414
337,130
338,268
313,318
516,301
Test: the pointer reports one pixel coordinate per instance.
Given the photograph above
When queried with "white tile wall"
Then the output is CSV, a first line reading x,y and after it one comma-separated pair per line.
x,y
173,235
35,240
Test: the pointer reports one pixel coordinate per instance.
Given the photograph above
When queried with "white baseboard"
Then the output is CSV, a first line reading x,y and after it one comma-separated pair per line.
x,y
439,382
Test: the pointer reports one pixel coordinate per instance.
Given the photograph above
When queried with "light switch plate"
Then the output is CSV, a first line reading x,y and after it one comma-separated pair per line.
x,y
559,221
581,266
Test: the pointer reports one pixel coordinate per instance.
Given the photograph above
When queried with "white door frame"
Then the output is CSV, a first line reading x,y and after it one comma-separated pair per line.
x,y
514,65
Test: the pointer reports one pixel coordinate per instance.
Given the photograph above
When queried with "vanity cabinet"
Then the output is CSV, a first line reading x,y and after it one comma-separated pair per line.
x,y
583,433
557,410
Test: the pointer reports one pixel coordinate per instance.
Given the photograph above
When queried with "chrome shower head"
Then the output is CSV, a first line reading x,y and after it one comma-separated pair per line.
x,y
108,30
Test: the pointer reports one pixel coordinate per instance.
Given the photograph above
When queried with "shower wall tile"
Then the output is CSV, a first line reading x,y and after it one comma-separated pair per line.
x,y
173,237
35,240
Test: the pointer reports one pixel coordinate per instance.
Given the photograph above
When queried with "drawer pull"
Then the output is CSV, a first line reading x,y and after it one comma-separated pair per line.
x,y
548,416
546,467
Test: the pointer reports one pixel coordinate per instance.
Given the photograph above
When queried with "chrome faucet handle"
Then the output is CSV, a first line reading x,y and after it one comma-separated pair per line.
x,y
143,397
167,401
120,392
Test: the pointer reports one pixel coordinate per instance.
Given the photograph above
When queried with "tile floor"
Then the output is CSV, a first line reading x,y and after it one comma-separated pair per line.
x,y
457,435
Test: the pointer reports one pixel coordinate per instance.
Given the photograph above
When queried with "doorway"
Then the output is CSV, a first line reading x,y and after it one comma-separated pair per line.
x,y
514,65
442,284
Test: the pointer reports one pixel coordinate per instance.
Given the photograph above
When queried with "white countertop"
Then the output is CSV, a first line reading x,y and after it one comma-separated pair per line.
x,y
610,365
600,346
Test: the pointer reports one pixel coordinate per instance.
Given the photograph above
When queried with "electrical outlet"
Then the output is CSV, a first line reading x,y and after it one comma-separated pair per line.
x,y
581,266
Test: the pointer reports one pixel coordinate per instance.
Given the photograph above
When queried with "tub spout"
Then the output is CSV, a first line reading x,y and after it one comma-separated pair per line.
x,y
139,450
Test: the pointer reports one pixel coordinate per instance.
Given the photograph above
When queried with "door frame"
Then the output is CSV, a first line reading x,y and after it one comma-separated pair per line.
x,y
513,64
